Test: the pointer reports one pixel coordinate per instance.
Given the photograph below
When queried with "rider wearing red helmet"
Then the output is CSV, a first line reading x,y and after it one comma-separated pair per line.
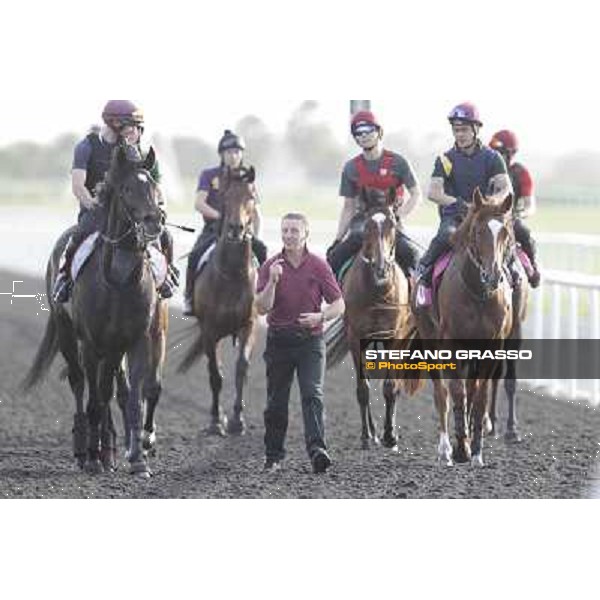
x,y
378,168
457,173
123,123
505,142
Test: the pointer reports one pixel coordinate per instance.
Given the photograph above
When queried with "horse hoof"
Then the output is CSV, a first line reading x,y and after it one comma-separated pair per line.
x,y
445,461
80,462
94,467
512,437
477,460
368,443
236,427
139,469
216,428
461,454
390,444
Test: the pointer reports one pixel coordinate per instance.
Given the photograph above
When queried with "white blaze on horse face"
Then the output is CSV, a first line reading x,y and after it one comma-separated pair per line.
x,y
142,177
495,227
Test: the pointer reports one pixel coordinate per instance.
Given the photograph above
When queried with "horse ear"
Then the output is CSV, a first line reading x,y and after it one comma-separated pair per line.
x,y
251,175
150,159
478,198
507,204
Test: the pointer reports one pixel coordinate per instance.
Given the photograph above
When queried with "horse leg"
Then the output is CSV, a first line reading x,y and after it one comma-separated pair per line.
x,y
442,404
152,391
491,430
462,452
510,385
122,397
368,434
69,348
108,435
138,364
237,425
153,384
390,393
218,421
480,395
93,464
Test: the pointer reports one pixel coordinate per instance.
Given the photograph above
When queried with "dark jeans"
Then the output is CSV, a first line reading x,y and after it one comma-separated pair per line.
x,y
523,237
286,353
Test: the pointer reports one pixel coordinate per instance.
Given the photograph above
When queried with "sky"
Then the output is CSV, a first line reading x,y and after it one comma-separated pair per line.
x,y
196,70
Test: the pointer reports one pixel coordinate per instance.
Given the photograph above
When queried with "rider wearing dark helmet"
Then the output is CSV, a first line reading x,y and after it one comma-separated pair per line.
x,y
506,143
456,174
377,168
123,123
208,203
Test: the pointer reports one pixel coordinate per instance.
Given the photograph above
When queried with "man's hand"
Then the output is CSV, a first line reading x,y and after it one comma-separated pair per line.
x,y
311,319
275,270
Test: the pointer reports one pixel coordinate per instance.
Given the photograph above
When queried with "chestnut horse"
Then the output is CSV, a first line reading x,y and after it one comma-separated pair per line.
x,y
376,294
224,296
473,302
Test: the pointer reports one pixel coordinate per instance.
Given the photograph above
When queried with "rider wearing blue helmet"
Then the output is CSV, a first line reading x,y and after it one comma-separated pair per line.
x,y
468,165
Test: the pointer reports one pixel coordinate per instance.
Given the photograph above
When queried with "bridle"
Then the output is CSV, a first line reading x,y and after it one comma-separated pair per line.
x,y
136,229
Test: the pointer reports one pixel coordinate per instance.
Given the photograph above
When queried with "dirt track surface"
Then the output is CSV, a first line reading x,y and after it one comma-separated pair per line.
x,y
555,460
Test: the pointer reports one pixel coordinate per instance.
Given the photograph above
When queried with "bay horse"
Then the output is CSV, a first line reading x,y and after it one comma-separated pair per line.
x,y
116,325
223,296
376,294
473,302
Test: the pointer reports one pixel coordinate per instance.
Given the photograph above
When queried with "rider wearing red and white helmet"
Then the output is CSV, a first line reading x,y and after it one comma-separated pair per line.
x,y
456,174
506,143
378,168
123,123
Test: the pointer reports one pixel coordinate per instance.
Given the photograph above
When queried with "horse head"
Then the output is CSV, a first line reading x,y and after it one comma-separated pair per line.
x,y
379,243
134,193
238,199
487,235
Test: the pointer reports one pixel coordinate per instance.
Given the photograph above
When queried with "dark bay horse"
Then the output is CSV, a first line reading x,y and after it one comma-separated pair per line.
x,y
376,294
473,302
116,318
224,296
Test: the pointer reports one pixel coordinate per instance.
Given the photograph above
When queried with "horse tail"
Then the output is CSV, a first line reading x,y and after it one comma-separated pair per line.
x,y
193,354
45,355
336,342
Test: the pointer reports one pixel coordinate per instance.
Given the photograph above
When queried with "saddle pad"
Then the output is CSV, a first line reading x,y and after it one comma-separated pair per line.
x,y
82,253
525,261
441,264
204,258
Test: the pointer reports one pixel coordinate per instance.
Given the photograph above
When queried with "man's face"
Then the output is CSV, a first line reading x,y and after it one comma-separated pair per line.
x,y
367,136
232,157
130,134
464,134
293,234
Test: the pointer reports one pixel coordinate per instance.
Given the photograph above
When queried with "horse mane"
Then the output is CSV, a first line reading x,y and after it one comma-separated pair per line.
x,y
487,210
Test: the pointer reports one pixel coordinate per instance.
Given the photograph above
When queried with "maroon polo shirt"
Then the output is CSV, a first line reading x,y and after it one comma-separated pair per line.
x,y
300,289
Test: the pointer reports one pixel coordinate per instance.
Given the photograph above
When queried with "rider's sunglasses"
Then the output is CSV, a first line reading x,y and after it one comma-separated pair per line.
x,y
364,130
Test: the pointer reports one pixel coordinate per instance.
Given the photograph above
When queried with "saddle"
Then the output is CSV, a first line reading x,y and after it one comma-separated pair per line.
x,y
425,297
157,260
